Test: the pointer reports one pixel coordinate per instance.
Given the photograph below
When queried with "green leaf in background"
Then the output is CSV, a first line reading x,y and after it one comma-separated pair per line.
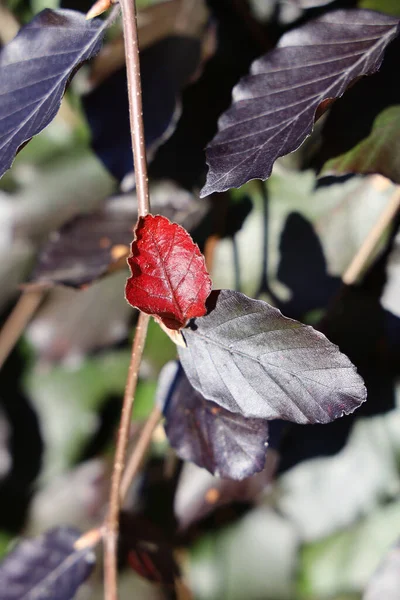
x,y
158,350
341,214
67,400
390,7
253,559
378,153
344,562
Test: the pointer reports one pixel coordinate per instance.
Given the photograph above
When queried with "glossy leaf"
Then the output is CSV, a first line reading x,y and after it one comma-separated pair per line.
x,y
226,444
94,244
34,71
378,153
169,278
274,108
46,567
250,359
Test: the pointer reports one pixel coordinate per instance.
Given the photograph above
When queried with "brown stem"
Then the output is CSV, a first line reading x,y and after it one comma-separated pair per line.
x,y
112,519
135,104
360,260
142,190
139,450
17,321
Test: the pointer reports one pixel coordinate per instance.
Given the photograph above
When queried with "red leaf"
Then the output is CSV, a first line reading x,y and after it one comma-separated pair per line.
x,y
169,278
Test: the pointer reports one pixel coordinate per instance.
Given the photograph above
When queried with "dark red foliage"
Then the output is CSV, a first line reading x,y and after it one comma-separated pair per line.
x,y
169,277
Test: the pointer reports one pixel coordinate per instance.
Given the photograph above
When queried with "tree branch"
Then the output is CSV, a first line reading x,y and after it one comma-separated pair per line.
x,y
142,190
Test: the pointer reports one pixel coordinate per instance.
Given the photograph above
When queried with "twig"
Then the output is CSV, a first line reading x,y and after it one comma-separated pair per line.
x,y
139,450
360,260
112,522
142,191
17,321
89,539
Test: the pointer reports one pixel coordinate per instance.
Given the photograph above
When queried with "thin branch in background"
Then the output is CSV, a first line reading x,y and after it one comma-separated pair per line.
x,y
359,262
17,321
139,451
142,190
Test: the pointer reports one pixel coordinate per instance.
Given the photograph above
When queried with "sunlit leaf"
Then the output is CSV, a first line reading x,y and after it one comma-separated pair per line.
x,y
247,357
46,567
34,71
226,444
274,108
169,278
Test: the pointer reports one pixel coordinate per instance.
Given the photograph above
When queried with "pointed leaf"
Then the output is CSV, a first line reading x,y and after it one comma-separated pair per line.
x,y
226,444
169,278
250,359
378,153
34,71
46,567
274,108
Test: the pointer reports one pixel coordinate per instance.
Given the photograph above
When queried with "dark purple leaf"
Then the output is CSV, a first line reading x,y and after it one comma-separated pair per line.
x,y
226,444
47,567
274,107
250,359
166,68
346,125
34,71
91,245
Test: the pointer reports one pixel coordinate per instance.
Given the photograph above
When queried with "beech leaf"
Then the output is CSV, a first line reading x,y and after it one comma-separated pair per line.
x,y
378,153
46,567
250,359
274,107
169,277
34,71
226,444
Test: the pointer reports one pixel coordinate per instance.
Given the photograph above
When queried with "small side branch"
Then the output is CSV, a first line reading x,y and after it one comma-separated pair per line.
x,y
17,321
139,450
360,260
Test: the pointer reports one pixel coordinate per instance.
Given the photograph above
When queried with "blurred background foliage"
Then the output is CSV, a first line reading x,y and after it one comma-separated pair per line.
x,y
313,528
